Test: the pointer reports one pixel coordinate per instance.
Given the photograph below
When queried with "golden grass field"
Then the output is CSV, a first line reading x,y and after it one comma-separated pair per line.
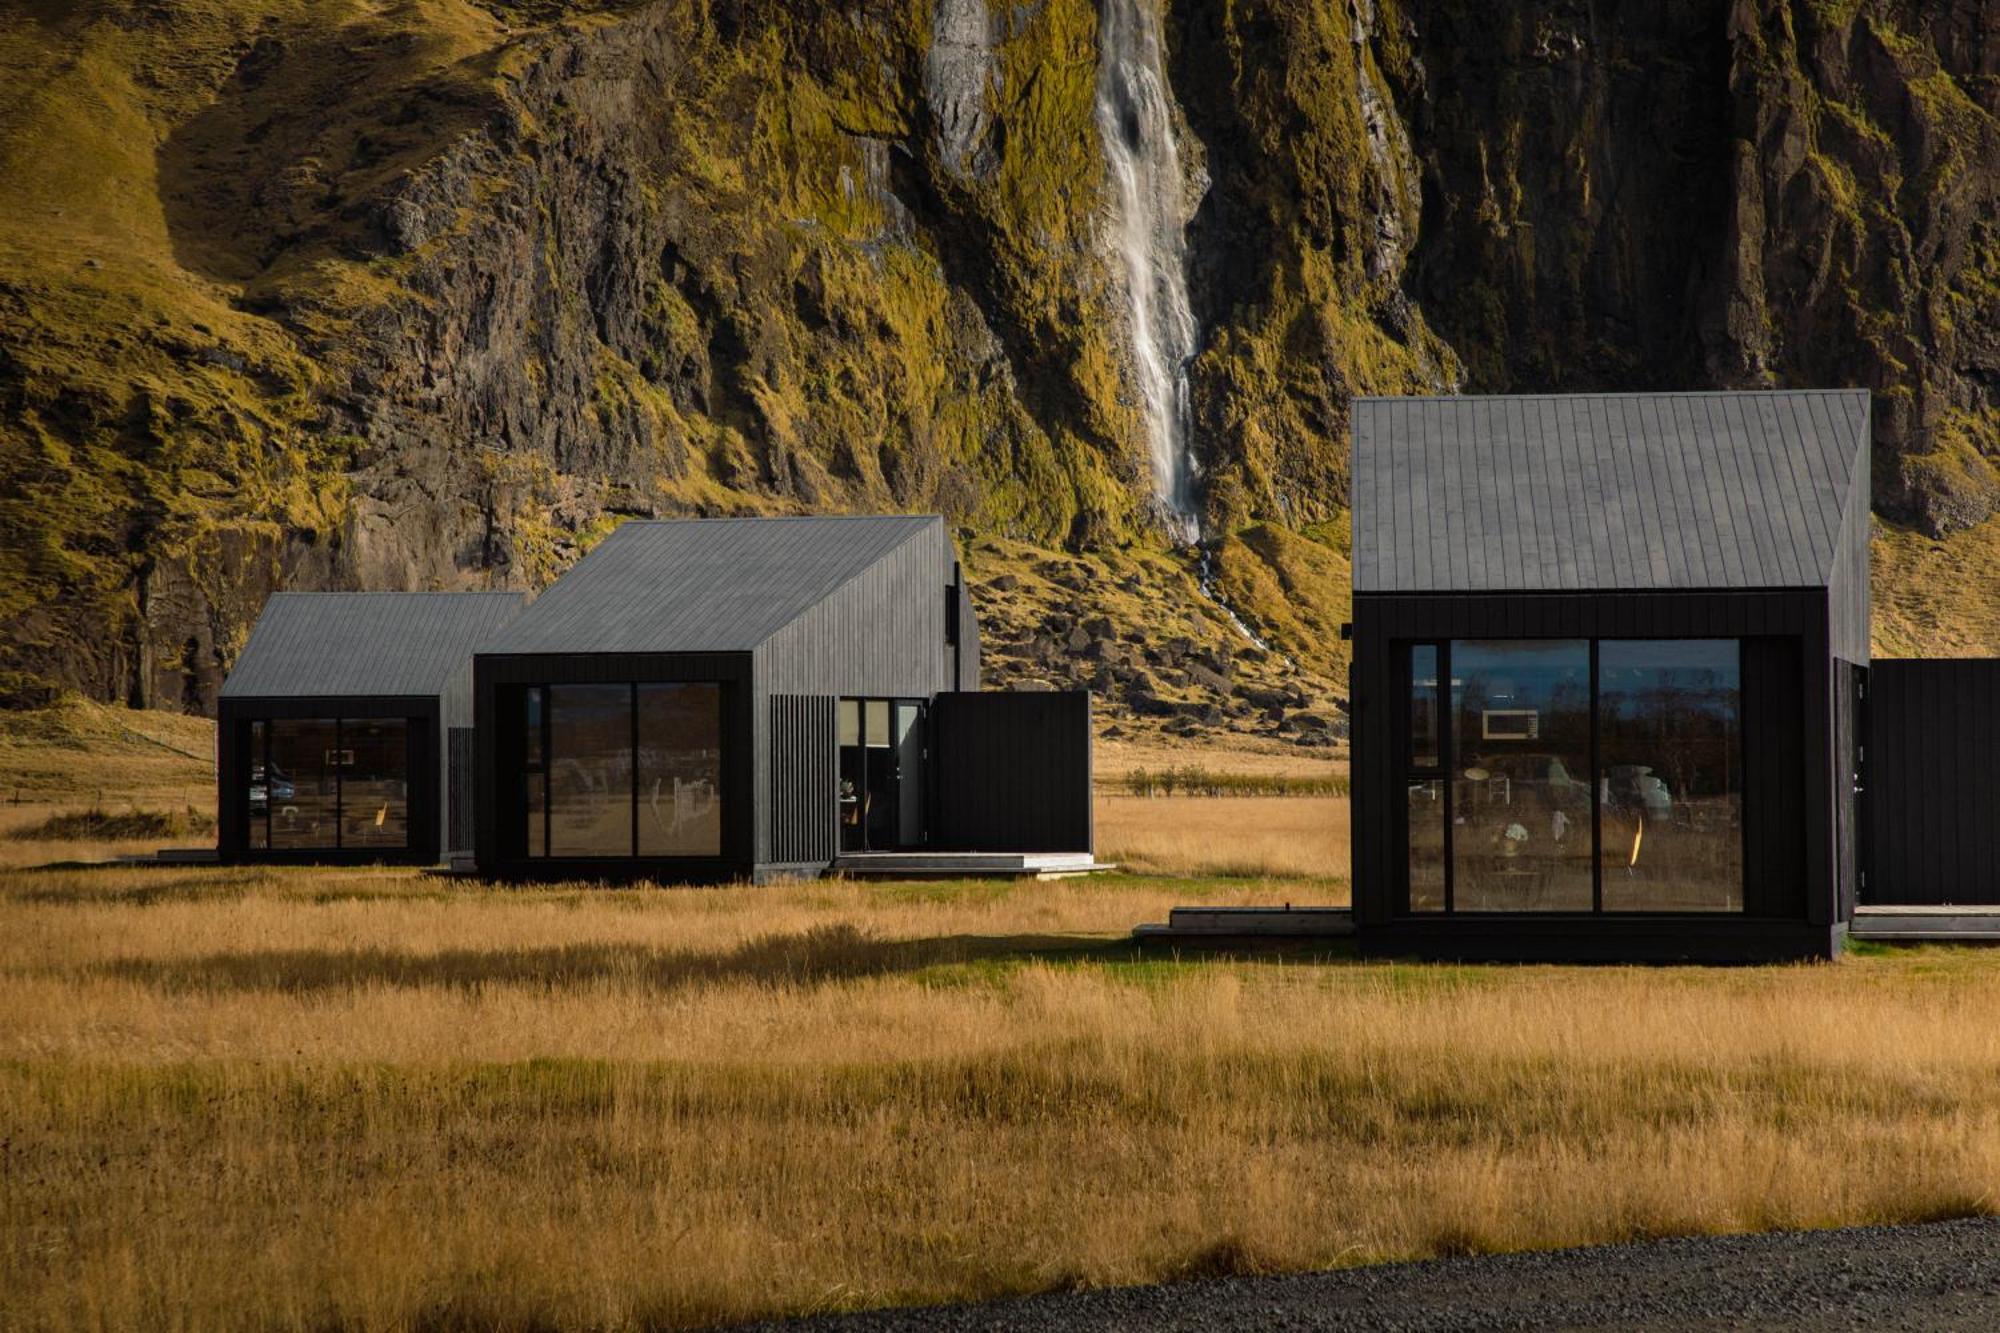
x,y
246,1098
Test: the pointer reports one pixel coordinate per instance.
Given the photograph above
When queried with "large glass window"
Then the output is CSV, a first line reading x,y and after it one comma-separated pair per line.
x,y
622,770
1426,844
680,770
257,831
374,782
590,770
1671,775
1521,775
1573,776
302,776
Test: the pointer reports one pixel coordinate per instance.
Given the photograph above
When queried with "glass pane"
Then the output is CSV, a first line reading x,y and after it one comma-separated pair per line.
x,y
910,773
537,813
1423,705
1670,791
301,782
257,794
590,770
877,716
1427,845
850,721
1521,781
375,782
680,770
531,724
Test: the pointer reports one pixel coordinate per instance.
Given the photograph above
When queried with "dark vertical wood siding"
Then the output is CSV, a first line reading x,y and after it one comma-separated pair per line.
x,y
805,780
879,635
1788,739
1933,785
1774,846
1012,772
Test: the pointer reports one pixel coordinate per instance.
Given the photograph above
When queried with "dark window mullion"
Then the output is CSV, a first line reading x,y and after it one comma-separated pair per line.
x,y
632,717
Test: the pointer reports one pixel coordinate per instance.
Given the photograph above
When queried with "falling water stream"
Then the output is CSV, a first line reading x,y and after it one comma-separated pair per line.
x,y
1135,121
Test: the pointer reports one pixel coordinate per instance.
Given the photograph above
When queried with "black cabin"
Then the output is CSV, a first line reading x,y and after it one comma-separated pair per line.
x,y
712,699
1607,656
344,730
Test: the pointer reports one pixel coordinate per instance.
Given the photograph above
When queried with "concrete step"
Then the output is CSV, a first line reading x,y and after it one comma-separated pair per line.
x,y
934,865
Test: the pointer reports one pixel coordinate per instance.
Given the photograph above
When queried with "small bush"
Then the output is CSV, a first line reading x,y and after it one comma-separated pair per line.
x,y
96,825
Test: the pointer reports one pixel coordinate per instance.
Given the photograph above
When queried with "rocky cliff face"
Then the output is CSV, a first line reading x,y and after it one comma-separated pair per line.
x,y
328,293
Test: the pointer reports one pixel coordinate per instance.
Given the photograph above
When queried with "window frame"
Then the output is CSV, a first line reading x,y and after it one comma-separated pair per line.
x,y
545,749
1407,771
261,729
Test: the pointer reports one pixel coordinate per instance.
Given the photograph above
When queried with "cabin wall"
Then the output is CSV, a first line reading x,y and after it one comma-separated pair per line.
x,y
426,790
1788,726
499,744
881,634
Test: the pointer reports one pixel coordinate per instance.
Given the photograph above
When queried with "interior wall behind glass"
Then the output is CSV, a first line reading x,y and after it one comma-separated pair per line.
x,y
1670,742
302,784
375,783
680,770
590,770
1521,836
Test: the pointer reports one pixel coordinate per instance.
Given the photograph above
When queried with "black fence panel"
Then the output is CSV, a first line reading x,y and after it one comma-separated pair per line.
x,y
1011,772
1931,782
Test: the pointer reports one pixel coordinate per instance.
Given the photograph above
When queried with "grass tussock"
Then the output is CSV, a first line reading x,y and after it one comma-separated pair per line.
x,y
383,1100
100,825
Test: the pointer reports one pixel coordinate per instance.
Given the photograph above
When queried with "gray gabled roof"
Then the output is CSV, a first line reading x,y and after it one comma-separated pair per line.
x,y
1604,491
702,585
333,644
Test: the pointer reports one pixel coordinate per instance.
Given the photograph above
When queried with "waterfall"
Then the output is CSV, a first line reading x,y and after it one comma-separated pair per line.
x,y
1135,121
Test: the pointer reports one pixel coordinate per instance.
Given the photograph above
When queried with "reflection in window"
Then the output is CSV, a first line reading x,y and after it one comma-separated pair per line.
x,y
1671,781
302,783
1521,775
680,770
257,832
374,783
1426,825
590,770
1423,706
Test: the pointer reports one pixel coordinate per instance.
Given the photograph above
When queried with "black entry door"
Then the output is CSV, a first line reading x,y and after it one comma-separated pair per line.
x,y
882,788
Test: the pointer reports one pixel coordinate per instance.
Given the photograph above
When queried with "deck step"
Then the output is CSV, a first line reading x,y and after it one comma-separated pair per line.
x,y
1964,924
935,865
1250,923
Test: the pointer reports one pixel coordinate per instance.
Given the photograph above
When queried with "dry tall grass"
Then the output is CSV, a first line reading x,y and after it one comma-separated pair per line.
x,y
254,1098
242,1098
1284,836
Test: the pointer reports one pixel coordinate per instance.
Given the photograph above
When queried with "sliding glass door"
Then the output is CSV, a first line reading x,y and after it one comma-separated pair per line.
x,y
1573,775
882,789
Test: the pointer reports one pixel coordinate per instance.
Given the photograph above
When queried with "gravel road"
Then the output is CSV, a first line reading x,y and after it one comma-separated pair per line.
x,y
1943,1275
